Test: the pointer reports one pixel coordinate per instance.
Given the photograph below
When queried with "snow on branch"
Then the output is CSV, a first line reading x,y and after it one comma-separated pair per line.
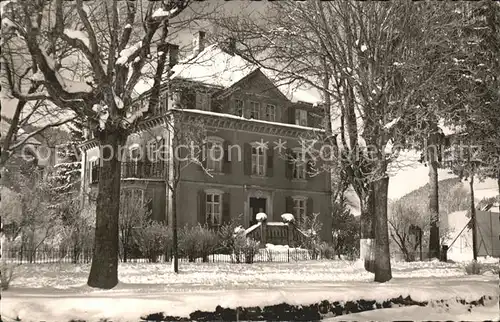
x,y
391,124
162,13
126,53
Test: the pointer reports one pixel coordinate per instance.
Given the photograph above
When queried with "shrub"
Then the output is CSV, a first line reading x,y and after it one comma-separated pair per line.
x,y
245,248
197,241
226,236
326,251
473,268
7,271
153,239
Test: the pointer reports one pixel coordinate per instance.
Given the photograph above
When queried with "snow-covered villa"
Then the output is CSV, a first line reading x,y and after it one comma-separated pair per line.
x,y
239,106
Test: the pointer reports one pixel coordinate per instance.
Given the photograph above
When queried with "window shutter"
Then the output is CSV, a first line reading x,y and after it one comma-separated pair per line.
x,y
291,115
270,159
226,210
189,99
202,207
288,164
202,156
309,206
247,159
310,170
226,162
289,205
313,119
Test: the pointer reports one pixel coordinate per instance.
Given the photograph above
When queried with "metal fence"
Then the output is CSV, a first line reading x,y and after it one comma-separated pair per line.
x,y
62,255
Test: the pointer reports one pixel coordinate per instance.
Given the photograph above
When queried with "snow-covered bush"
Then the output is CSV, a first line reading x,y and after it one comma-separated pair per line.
x,y
153,239
473,268
310,227
245,249
287,217
226,235
261,217
326,251
345,230
7,271
197,241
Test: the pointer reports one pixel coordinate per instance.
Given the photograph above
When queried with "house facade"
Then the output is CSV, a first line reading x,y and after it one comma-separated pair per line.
x,y
254,153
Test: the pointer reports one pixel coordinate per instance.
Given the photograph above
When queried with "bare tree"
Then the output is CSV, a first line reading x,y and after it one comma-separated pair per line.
x,y
374,61
186,143
113,46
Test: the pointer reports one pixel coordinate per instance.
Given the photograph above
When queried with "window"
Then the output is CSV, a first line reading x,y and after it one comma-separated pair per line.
x,y
134,197
254,110
203,101
153,150
299,208
270,112
258,161
213,208
135,156
215,154
299,165
301,117
132,201
238,107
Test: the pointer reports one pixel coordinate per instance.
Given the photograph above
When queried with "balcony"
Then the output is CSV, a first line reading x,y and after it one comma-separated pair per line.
x,y
136,170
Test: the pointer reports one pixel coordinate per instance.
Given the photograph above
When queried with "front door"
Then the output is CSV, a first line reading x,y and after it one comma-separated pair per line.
x,y
256,205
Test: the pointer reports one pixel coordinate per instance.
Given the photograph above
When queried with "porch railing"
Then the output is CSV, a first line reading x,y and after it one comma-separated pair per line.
x,y
136,170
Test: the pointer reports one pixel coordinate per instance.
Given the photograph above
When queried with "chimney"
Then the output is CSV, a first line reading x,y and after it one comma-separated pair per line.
x,y
231,46
173,54
198,42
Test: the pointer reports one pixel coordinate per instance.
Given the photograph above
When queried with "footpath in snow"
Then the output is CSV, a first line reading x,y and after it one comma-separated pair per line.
x,y
58,292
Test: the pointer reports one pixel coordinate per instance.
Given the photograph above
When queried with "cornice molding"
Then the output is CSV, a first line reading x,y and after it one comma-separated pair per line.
x,y
219,122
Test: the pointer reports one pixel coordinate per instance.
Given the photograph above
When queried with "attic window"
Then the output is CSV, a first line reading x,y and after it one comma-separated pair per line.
x,y
255,110
270,112
301,117
203,101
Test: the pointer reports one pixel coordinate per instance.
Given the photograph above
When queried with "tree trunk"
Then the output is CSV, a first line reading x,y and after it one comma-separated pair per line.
x,y
104,268
498,183
382,254
174,231
473,218
367,240
433,197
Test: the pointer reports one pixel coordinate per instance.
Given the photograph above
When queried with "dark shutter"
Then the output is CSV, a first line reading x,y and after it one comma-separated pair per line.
x,y
202,207
291,115
289,164
310,169
247,159
226,162
202,155
226,209
309,206
289,205
270,159
189,99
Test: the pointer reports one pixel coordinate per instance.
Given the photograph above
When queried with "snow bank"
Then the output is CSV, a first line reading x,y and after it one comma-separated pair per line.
x,y
128,302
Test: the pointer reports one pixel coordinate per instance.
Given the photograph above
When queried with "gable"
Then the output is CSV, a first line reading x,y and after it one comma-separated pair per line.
x,y
260,85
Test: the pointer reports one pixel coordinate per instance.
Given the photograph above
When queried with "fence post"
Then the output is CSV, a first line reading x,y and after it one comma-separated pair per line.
x,y
263,233
288,251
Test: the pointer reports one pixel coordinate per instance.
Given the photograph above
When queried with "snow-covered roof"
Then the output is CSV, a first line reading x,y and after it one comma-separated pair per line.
x,y
214,66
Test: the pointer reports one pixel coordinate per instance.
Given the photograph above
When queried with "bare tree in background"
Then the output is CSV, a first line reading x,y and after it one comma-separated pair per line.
x,y
372,55
114,48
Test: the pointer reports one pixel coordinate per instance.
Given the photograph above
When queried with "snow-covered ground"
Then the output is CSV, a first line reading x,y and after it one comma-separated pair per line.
x,y
58,292
453,312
